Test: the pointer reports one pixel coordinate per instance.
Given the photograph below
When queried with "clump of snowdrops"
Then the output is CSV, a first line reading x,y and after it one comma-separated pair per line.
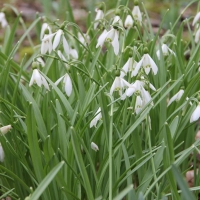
x,y
110,113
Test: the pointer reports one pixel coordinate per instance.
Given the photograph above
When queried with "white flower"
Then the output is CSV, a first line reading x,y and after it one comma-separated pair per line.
x,y
5,129
196,18
96,118
41,61
111,36
138,104
195,115
2,155
138,88
38,79
43,29
118,85
67,83
63,58
137,15
117,19
3,20
128,22
129,66
165,50
59,36
99,16
94,146
197,35
46,45
176,97
73,53
147,63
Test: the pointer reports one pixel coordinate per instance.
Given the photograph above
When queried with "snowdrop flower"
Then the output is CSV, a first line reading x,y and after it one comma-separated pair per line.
x,y
5,129
165,50
43,30
111,36
196,114
118,85
59,36
118,20
138,104
99,16
147,63
63,58
94,146
138,88
197,35
41,61
67,83
96,118
137,15
2,155
73,53
38,79
3,20
47,45
176,97
129,66
196,18
128,22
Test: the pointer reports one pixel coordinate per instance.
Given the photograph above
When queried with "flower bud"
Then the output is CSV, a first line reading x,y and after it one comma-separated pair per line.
x,y
5,129
94,146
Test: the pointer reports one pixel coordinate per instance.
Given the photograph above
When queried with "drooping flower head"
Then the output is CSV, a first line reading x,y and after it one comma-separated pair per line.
x,y
196,114
137,15
5,129
37,77
118,85
96,118
94,146
67,83
176,97
111,36
165,50
147,63
43,30
128,22
3,20
99,16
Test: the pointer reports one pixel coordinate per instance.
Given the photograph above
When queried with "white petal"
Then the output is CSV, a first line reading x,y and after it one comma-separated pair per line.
x,y
74,53
44,27
44,82
2,154
126,67
172,99
94,146
68,85
115,43
153,65
197,36
101,39
99,16
5,129
138,104
60,79
128,22
195,115
158,54
196,18
129,91
57,38
66,46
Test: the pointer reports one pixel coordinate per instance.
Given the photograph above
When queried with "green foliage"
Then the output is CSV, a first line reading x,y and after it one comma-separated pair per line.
x,y
143,154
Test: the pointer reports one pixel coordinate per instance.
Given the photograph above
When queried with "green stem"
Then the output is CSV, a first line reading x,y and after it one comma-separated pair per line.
x,y
150,149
